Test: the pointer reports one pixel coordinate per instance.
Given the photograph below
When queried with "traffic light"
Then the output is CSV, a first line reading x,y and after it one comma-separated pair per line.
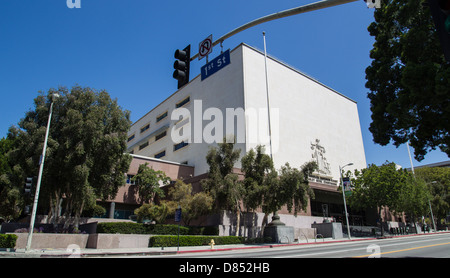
x,y
28,185
440,11
181,66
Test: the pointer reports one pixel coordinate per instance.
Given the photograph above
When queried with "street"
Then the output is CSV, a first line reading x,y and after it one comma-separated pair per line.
x,y
421,246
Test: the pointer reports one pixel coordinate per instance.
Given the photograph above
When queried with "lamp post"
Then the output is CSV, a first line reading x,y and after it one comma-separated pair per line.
x,y
41,168
414,175
343,196
431,211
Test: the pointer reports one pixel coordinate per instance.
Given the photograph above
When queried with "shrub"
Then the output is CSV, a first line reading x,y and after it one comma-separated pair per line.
x,y
167,241
121,228
156,229
8,241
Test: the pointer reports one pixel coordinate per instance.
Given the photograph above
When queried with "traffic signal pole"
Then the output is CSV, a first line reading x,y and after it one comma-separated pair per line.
x,y
294,11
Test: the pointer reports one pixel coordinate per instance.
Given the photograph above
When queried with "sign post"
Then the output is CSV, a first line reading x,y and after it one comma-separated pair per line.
x,y
178,219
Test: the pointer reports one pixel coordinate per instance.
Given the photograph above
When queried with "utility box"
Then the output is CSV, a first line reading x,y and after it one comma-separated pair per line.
x,y
332,229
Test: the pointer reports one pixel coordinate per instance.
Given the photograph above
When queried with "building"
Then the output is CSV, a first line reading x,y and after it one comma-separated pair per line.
x,y
308,121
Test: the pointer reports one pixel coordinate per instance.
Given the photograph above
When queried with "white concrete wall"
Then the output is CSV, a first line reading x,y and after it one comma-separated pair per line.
x,y
308,111
305,110
222,90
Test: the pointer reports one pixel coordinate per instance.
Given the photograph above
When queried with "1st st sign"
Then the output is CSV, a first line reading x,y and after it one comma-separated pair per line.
x,y
216,64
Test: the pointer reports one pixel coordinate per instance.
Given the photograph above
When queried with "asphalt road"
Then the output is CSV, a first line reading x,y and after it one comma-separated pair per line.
x,y
421,246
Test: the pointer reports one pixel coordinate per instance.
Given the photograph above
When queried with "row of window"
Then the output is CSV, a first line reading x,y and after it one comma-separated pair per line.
x,y
175,148
163,153
161,117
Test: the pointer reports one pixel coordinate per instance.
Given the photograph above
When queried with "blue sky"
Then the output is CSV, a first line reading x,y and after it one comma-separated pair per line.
x,y
126,47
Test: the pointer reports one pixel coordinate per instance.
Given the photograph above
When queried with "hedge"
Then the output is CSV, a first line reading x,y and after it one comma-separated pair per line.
x,y
156,229
168,241
8,241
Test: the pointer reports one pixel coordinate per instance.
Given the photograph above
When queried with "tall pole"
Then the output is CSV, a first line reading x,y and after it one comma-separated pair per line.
x,y
410,159
414,175
38,186
343,196
431,211
267,94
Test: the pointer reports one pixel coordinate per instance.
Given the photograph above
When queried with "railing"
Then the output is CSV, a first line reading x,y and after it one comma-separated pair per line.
x,y
315,238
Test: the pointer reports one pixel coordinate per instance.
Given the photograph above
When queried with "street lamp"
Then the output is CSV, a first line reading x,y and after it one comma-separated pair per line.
x,y
431,211
41,168
343,196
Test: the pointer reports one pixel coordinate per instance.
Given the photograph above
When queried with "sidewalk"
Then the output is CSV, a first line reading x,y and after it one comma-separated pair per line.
x,y
76,253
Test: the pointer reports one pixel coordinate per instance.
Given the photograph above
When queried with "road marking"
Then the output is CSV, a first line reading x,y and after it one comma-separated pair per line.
x,y
402,250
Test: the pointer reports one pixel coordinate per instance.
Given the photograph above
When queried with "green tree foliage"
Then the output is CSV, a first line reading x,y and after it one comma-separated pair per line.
x,y
413,198
85,157
294,186
11,188
438,181
222,183
149,183
193,205
409,79
388,187
256,166
152,212
271,190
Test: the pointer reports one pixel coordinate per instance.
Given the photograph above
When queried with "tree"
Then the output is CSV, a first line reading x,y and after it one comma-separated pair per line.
x,y
11,198
289,188
85,153
193,205
438,182
157,213
149,183
222,183
408,79
271,190
259,177
378,187
414,197
255,166
294,185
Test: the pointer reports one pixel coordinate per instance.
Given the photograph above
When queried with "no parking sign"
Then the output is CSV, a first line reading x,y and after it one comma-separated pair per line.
x,y
205,47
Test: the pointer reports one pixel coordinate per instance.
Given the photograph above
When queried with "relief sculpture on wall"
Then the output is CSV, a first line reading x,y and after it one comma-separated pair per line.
x,y
319,157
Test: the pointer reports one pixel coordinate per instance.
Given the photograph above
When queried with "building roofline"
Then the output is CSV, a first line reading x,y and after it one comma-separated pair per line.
x,y
437,164
262,53
296,70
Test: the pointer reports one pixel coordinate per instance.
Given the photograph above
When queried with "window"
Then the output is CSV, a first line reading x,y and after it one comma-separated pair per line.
x,y
180,145
161,117
143,145
130,138
161,154
183,102
161,135
129,181
144,128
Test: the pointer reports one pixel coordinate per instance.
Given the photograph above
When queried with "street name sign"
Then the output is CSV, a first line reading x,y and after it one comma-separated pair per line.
x,y
216,64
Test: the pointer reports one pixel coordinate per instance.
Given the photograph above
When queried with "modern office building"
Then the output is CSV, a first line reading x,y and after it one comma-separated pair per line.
x,y
308,121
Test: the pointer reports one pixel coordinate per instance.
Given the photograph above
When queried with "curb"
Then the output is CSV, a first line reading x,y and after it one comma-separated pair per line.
x,y
149,253
305,243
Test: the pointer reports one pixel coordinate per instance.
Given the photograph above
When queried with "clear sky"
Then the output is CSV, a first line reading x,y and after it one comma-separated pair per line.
x,y
126,47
